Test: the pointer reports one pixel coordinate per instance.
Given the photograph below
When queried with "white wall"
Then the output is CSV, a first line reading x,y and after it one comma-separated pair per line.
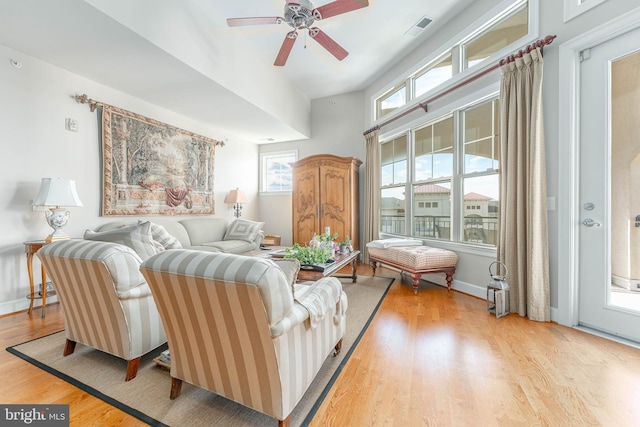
x,y
337,124
36,99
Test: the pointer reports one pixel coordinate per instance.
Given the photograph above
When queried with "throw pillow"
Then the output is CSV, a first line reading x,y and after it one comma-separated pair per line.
x,y
290,267
243,229
162,236
137,237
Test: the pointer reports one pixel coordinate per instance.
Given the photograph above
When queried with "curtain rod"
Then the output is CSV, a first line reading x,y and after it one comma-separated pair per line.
x,y
510,58
84,99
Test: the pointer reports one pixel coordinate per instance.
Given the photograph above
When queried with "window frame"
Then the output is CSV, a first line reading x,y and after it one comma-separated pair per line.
x,y
455,108
492,17
264,158
573,8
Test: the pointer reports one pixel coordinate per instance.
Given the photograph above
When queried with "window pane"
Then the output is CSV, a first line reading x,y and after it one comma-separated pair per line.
x,y
495,38
393,156
480,136
390,102
392,209
423,167
478,156
434,76
478,122
434,218
443,134
443,163
386,177
434,151
386,153
480,209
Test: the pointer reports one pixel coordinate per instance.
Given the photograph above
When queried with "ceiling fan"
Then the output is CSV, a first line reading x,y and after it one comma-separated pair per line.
x,y
300,15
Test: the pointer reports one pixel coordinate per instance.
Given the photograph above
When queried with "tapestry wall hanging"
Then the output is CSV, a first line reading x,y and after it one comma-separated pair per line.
x,y
151,168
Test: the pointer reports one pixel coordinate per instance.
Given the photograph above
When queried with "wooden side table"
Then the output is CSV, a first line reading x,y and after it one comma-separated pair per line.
x,y
31,247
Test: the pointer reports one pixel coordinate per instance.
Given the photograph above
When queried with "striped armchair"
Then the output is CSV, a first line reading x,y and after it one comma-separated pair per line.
x,y
234,327
106,302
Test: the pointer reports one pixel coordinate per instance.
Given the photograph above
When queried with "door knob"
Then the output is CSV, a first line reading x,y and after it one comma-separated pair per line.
x,y
590,223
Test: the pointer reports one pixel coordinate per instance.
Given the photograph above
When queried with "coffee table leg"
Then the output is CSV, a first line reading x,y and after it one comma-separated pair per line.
x,y
354,271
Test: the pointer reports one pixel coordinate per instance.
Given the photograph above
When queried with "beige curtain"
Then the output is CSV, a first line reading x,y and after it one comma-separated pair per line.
x,y
523,242
371,224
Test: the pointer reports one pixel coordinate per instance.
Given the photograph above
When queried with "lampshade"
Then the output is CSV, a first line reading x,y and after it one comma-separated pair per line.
x,y
57,192
236,196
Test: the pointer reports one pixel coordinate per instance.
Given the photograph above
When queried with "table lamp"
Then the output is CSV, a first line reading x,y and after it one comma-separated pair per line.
x,y
57,193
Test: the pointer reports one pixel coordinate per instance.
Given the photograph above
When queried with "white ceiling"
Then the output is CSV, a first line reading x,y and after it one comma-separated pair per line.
x,y
182,56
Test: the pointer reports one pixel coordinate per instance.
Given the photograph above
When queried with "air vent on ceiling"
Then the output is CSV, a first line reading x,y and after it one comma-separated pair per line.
x,y
420,25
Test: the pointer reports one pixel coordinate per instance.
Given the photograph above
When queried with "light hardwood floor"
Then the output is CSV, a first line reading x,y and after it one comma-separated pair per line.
x,y
435,358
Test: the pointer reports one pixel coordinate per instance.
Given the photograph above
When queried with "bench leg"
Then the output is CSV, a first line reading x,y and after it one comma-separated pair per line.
x,y
449,281
415,281
373,266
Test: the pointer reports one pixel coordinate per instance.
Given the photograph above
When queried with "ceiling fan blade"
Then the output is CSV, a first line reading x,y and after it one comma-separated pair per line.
x,y
338,7
285,49
328,43
263,20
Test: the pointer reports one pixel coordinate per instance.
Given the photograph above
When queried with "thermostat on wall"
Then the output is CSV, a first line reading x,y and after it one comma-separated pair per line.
x,y
71,124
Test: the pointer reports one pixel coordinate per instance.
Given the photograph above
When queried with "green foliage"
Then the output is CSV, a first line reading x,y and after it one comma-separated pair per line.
x,y
309,254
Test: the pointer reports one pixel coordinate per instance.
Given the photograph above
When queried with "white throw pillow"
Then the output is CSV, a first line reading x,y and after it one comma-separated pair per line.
x,y
162,236
243,229
137,237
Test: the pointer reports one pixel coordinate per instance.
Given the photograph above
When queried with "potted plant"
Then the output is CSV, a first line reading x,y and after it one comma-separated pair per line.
x,y
345,245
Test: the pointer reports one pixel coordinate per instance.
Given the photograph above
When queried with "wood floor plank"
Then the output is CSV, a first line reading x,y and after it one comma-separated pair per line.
x,y
432,359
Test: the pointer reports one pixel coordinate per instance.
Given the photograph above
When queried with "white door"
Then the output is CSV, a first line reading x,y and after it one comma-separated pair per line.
x,y
609,247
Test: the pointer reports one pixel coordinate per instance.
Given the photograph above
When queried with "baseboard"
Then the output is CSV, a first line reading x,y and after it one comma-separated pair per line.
x,y
10,307
473,290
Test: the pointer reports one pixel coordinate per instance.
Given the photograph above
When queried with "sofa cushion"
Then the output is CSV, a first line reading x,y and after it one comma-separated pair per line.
x,y
162,236
203,230
230,246
137,237
243,229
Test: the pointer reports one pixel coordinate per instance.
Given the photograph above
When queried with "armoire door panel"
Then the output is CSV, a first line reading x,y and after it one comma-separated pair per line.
x,y
306,206
334,199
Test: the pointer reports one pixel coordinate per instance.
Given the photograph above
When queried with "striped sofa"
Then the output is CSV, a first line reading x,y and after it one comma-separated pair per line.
x,y
107,303
234,327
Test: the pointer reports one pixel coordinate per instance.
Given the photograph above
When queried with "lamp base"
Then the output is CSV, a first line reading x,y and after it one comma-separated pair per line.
x,y
51,238
57,218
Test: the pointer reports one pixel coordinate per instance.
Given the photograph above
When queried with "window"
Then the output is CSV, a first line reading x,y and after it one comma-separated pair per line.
x,y
277,174
479,175
453,190
491,35
392,179
496,37
395,98
433,76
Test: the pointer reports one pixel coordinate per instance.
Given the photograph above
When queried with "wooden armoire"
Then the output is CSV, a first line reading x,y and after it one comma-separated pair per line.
x,y
325,194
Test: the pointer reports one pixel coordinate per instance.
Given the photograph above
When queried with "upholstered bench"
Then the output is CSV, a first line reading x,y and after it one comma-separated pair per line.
x,y
415,260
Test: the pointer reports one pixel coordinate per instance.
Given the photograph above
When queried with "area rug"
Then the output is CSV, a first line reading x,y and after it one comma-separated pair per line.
x,y
147,396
